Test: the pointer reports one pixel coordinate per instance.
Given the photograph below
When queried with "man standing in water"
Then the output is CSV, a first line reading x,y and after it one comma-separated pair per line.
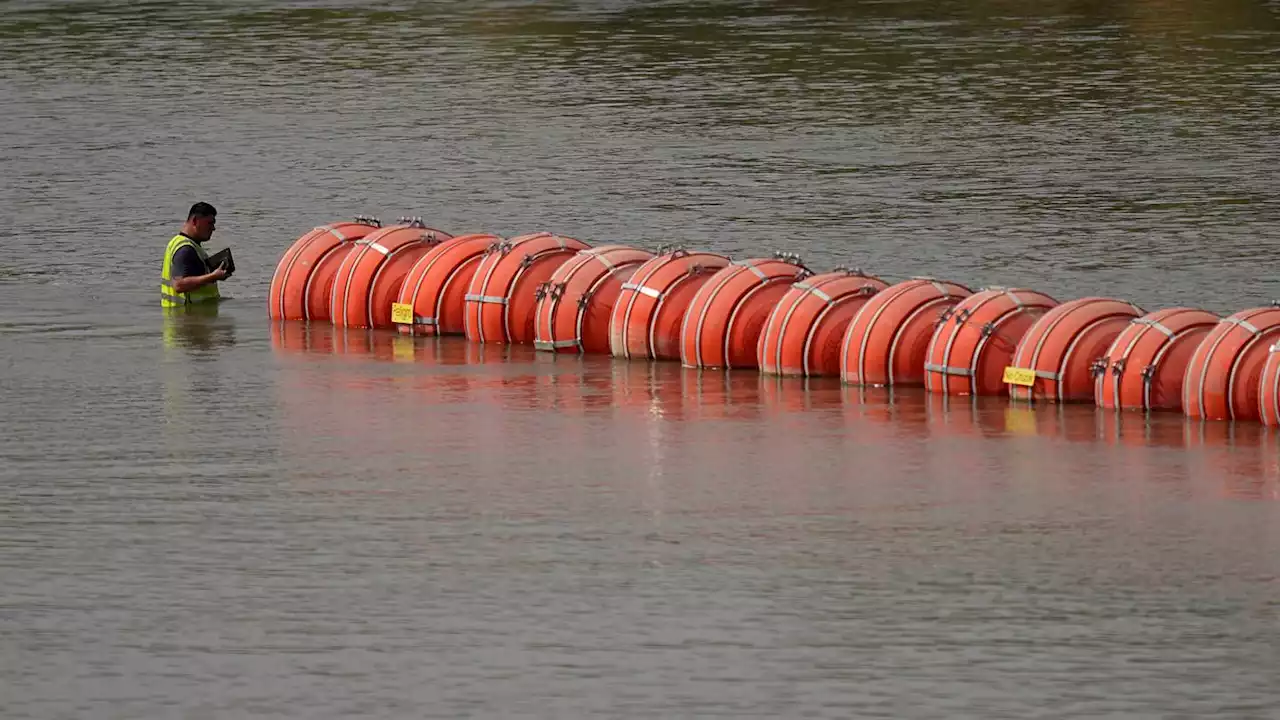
x,y
186,278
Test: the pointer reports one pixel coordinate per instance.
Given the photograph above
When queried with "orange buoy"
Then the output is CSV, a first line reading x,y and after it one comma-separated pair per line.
x,y
1269,388
722,327
976,338
1057,355
888,339
651,307
1223,378
575,305
805,331
307,268
501,300
436,285
370,277
1145,365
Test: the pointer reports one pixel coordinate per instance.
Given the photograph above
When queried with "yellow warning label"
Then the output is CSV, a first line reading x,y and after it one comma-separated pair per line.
x,y
401,313
1019,376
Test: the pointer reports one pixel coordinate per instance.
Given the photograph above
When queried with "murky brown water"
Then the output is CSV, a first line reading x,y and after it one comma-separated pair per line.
x,y
222,517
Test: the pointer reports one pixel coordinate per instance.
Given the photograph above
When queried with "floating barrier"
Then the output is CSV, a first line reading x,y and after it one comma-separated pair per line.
x,y
501,301
976,338
433,298
370,277
805,331
303,279
1225,372
888,339
576,304
1057,358
1269,388
1146,363
651,307
722,327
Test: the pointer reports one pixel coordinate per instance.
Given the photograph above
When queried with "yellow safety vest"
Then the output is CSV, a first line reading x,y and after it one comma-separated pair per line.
x,y
171,299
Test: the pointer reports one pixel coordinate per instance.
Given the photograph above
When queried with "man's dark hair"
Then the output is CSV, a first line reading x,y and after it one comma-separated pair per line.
x,y
202,210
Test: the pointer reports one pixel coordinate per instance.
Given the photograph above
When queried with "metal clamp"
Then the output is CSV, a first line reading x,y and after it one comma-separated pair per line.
x,y
1098,367
787,257
413,222
540,291
988,329
848,270
368,220
1148,373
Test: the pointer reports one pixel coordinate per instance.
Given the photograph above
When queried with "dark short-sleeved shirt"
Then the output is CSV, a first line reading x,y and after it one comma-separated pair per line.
x,y
187,263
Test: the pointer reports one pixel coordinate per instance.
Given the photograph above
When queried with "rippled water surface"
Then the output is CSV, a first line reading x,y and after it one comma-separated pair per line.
x,y
222,517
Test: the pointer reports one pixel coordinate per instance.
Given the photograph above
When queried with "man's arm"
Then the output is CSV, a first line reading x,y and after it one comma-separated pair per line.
x,y
188,271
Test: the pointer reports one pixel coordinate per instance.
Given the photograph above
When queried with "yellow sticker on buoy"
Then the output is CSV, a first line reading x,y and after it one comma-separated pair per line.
x,y
401,313
1019,376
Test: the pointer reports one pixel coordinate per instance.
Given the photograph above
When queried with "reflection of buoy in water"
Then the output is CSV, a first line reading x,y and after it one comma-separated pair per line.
x,y
723,324
1062,347
651,306
1226,369
370,277
575,305
303,279
437,284
805,330
888,339
1145,365
501,300
976,338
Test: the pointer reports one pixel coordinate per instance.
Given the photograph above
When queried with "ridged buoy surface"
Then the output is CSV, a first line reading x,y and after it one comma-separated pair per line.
x,y
651,306
575,305
722,327
501,301
1062,347
976,338
888,339
1225,371
805,331
1269,388
1146,363
436,285
370,277
287,297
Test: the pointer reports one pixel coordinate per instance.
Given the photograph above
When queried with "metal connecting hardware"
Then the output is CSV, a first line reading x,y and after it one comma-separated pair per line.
x,y
1098,367
368,220
413,222
787,257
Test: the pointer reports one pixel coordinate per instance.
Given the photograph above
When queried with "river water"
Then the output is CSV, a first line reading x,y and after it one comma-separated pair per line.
x,y
216,517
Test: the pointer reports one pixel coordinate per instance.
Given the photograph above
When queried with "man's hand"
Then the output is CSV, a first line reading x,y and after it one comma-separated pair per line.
x,y
187,284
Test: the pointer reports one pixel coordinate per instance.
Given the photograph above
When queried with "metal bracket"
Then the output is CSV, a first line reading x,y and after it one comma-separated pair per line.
x,y
368,220
413,222
790,257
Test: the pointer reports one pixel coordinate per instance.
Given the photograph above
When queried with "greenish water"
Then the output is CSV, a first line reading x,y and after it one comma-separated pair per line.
x,y
217,517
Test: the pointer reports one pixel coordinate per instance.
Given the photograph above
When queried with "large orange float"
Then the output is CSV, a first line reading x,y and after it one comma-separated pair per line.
x,y
303,279
370,277
575,305
436,285
1269,388
805,330
1056,358
727,315
888,339
501,301
1145,365
651,307
1225,372
976,338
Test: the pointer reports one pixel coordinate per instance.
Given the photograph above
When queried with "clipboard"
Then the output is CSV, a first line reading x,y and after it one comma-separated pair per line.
x,y
221,257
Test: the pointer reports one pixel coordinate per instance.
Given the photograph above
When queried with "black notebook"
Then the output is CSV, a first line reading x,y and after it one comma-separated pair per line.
x,y
220,257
